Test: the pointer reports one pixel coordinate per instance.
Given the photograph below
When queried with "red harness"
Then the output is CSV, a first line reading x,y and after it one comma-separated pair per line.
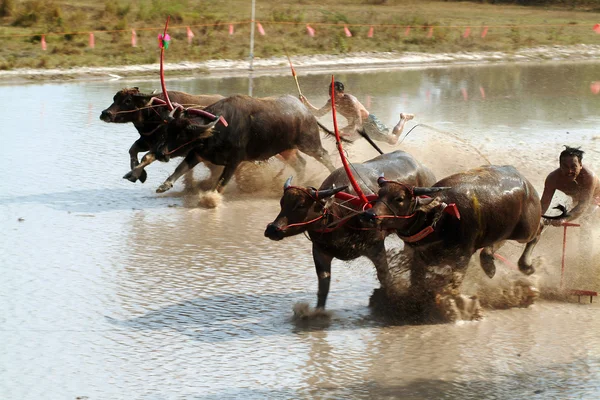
x,y
325,212
356,201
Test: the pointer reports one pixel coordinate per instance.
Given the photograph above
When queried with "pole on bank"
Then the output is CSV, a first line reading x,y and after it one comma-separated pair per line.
x,y
253,22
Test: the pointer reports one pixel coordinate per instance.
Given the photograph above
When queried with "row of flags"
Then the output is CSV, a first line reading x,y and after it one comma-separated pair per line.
x,y
309,30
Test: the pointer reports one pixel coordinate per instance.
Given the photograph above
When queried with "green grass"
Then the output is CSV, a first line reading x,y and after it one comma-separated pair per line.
x,y
66,26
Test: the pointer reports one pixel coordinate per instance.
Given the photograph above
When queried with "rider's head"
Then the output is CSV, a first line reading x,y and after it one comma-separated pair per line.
x,y
338,87
570,162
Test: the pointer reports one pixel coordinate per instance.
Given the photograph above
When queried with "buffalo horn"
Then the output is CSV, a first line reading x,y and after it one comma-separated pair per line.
x,y
143,95
381,180
287,183
323,194
205,127
423,191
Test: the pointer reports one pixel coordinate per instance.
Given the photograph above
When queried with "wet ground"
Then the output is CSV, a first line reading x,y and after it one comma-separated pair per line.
x,y
110,290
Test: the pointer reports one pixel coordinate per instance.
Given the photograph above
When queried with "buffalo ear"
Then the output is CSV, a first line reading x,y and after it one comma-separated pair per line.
x,y
139,95
426,204
423,191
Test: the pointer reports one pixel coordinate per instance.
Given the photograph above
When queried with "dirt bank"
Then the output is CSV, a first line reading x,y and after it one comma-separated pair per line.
x,y
308,64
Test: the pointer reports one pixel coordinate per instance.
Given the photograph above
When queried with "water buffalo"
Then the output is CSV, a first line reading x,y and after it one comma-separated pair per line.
x,y
333,223
252,130
130,105
492,204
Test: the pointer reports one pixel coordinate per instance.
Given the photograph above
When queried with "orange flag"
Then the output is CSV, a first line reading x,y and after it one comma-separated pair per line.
x,y
370,34
231,29
310,30
597,28
464,94
430,33
44,42
484,32
482,91
133,38
190,35
407,31
260,28
347,31
92,41
467,32
595,87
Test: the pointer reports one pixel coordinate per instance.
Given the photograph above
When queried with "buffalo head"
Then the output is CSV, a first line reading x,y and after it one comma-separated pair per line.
x,y
301,207
397,202
181,132
126,106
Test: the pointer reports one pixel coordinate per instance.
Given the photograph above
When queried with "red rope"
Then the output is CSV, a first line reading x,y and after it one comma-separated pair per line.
x,y
353,182
162,70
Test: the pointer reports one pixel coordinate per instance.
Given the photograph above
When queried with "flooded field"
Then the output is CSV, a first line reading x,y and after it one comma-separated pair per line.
x,y
112,291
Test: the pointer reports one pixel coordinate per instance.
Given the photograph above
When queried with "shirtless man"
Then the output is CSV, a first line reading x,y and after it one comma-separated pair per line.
x,y
358,117
574,180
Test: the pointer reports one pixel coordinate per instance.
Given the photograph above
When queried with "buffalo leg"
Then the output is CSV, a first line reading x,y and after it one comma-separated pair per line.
x,y
378,257
189,162
137,147
321,155
137,171
215,171
525,262
486,259
226,175
323,269
293,158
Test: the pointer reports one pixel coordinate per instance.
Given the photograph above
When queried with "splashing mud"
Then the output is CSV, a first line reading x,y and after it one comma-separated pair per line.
x,y
436,300
304,312
210,199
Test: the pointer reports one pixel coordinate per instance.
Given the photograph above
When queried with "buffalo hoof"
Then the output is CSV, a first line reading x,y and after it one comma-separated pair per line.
x,y
164,187
526,269
489,269
130,176
143,176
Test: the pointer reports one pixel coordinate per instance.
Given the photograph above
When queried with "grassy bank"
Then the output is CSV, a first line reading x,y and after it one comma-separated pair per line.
x,y
435,26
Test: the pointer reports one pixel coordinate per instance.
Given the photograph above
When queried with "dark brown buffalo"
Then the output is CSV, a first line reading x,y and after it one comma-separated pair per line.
x,y
494,203
255,130
130,105
333,224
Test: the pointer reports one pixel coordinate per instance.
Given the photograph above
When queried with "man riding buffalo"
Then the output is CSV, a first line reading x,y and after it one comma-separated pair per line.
x,y
359,118
248,129
330,215
479,208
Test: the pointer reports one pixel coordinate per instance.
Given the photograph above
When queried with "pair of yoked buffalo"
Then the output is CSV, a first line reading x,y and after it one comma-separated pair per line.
x,y
217,130
477,209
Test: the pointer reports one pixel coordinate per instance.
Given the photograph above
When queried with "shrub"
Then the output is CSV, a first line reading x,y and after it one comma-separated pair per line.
x,y
6,8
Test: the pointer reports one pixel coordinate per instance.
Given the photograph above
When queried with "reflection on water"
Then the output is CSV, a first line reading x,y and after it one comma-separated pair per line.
x,y
112,291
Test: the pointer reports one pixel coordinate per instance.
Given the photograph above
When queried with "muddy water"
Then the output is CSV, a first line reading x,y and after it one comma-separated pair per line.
x,y
109,290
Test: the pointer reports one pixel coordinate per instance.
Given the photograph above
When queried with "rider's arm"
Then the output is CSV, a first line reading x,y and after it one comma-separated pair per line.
x,y
586,196
549,189
317,112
